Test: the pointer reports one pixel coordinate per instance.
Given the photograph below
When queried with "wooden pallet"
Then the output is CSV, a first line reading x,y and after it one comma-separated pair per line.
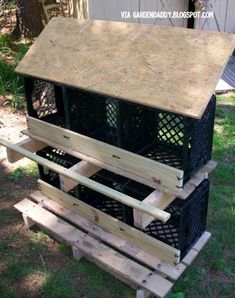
x,y
132,265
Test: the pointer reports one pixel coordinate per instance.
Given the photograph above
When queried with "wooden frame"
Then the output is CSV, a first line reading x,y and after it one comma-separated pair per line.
x,y
129,201
113,225
182,194
105,257
132,265
148,169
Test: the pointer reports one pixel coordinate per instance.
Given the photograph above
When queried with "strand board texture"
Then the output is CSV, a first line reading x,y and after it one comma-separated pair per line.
x,y
174,69
144,272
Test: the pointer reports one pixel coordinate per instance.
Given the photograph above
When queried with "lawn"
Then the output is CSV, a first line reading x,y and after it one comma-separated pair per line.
x,y
34,265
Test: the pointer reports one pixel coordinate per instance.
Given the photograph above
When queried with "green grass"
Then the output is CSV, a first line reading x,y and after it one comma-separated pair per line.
x,y
213,272
83,275
30,171
11,84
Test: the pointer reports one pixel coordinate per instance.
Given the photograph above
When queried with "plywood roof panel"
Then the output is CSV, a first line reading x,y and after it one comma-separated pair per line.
x,y
174,69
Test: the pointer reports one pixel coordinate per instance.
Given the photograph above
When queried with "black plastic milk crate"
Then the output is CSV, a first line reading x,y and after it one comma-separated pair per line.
x,y
102,202
178,141
188,217
110,120
44,101
187,222
59,157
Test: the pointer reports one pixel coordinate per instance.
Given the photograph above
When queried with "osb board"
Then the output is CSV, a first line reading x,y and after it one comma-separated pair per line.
x,y
174,69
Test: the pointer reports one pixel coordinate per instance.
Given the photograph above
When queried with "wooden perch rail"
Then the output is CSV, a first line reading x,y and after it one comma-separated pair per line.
x,y
129,201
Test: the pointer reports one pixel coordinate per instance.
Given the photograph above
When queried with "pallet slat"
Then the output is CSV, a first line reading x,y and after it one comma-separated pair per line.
x,y
173,272
97,251
189,258
113,225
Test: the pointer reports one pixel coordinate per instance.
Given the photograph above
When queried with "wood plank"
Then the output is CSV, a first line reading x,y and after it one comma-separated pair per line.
x,y
131,202
209,167
122,159
113,225
83,168
182,193
202,241
190,257
198,246
198,178
28,222
157,199
170,77
97,251
30,144
173,272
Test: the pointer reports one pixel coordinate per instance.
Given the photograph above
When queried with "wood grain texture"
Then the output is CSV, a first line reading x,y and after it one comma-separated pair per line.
x,y
102,255
173,272
146,168
153,246
29,144
83,168
175,69
116,195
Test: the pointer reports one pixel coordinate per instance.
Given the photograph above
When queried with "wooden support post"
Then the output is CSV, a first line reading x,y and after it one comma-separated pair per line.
x,y
77,253
29,144
28,222
83,168
156,199
142,293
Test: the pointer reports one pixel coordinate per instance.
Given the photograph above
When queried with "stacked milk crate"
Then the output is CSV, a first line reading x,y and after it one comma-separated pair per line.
x,y
172,139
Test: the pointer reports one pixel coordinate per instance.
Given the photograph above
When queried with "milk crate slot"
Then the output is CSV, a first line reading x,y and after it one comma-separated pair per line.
x,y
59,157
187,222
182,230
172,139
178,141
44,101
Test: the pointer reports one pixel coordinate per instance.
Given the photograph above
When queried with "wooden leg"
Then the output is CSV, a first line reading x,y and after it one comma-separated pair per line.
x,y
27,221
77,253
141,293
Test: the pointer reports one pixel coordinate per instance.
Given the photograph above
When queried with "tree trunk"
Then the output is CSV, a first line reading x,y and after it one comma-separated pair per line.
x,y
80,9
28,19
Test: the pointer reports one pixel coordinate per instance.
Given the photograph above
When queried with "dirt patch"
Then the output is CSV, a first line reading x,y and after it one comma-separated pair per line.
x,y
11,126
30,286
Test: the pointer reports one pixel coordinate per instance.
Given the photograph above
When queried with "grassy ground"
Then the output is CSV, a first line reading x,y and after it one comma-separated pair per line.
x,y
11,84
34,265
